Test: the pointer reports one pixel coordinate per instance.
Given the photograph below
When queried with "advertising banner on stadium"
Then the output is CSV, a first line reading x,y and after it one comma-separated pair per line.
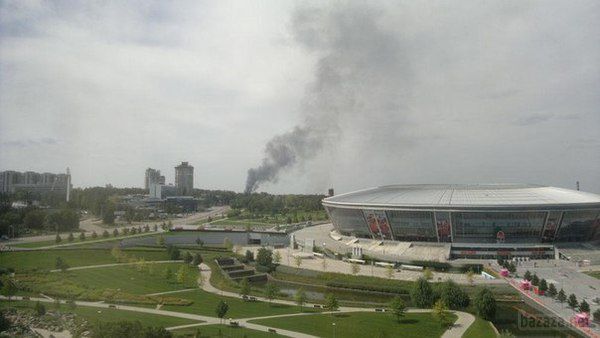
x,y
372,223
443,226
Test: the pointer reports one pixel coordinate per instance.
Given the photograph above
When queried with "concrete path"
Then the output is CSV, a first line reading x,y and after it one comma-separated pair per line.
x,y
113,264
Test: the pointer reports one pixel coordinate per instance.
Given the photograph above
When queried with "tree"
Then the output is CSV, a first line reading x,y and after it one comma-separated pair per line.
x,y
596,315
173,252
543,287
94,234
276,257
39,309
249,256
470,276
354,268
199,242
300,298
535,280
264,257
389,272
440,311
572,301
108,216
331,302
298,262
60,264
271,291
427,274
187,257
105,234
82,236
34,219
551,290
453,295
584,306
181,274
421,294
197,259
4,322
562,296
71,238
116,253
57,239
168,273
527,275
398,307
115,232
512,268
221,309
485,304
244,287
9,288
160,240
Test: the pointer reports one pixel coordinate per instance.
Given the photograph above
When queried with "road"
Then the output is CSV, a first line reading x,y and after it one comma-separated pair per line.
x,y
92,224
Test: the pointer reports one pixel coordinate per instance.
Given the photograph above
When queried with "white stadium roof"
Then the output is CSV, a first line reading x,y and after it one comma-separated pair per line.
x,y
460,195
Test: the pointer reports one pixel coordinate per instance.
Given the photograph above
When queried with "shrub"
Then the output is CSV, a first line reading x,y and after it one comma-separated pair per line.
x,y
453,295
485,303
422,294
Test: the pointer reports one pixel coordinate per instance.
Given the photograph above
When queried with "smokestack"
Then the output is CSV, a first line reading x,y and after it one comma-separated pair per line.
x,y
330,192
577,184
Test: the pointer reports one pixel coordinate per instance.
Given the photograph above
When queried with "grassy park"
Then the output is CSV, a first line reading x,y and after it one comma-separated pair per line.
x,y
479,329
217,330
45,260
93,314
360,324
204,303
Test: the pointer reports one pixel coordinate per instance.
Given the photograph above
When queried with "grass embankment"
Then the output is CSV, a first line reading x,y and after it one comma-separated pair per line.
x,y
595,274
222,331
360,324
94,315
248,218
204,303
118,284
45,260
481,328
77,242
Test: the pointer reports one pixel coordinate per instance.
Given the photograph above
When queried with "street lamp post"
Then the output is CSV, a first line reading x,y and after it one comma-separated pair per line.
x,y
333,324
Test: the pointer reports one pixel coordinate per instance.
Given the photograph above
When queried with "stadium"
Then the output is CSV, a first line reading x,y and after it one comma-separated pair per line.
x,y
474,221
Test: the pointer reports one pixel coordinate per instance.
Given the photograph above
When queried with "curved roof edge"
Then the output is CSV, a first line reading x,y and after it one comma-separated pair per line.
x,y
472,196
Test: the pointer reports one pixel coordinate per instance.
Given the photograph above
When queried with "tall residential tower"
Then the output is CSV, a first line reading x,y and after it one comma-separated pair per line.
x,y
184,178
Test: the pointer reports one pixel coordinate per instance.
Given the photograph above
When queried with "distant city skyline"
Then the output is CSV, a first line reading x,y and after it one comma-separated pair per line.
x,y
352,95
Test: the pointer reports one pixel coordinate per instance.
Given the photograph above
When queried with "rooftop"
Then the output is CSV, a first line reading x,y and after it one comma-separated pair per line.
x,y
463,195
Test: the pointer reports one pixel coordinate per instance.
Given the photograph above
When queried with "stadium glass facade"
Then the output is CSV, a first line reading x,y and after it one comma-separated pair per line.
x,y
468,226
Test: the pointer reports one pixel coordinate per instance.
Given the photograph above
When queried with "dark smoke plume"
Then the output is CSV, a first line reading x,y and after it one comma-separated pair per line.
x,y
356,79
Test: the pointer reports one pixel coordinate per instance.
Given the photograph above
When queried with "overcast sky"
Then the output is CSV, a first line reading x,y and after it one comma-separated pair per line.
x,y
411,92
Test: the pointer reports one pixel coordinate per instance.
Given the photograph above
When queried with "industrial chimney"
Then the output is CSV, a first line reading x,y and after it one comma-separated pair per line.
x,y
330,192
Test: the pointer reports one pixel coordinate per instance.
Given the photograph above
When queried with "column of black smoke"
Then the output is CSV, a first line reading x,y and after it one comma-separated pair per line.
x,y
358,64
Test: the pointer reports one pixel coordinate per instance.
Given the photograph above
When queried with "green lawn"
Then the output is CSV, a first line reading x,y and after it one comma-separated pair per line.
x,y
205,304
225,330
128,279
481,328
76,241
45,260
360,324
93,314
595,274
